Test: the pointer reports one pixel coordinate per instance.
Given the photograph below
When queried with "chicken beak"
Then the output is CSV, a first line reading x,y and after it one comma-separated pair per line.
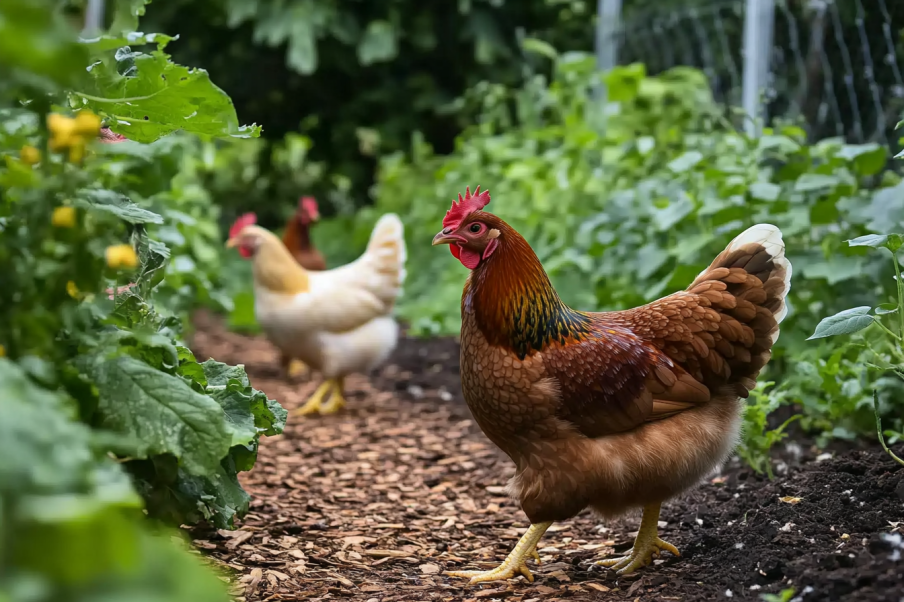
x,y
232,242
443,238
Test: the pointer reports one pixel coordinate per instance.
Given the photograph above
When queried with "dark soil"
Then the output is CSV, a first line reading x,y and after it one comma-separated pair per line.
x,y
375,503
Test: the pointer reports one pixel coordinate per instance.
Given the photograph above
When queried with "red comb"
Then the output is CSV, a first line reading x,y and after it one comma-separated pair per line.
x,y
465,206
241,222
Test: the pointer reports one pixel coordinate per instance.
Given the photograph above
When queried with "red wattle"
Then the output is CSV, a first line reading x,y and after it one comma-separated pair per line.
x,y
455,250
469,259
246,253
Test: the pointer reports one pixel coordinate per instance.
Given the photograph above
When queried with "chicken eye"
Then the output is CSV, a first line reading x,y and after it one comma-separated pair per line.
x,y
475,228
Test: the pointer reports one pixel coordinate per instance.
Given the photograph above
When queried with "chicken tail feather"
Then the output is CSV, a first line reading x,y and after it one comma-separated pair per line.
x,y
386,254
747,285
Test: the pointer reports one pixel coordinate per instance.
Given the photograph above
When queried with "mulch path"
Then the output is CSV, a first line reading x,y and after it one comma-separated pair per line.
x,y
375,503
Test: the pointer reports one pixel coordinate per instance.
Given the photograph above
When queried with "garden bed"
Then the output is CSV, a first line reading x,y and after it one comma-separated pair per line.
x,y
375,503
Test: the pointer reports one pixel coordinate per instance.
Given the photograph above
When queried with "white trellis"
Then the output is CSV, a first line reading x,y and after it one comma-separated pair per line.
x,y
759,22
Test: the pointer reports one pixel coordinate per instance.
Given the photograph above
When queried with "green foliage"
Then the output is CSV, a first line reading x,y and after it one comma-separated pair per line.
x,y
343,69
107,415
628,201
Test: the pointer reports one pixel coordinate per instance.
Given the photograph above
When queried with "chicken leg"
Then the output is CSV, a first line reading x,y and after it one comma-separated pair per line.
x,y
647,545
314,402
337,401
296,369
515,563
331,389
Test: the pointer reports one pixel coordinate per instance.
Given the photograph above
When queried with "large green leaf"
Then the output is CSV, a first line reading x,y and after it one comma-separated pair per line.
x,y
117,204
892,242
162,412
848,321
147,96
182,498
247,407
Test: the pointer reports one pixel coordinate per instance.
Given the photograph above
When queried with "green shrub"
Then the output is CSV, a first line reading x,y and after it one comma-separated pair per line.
x,y
108,418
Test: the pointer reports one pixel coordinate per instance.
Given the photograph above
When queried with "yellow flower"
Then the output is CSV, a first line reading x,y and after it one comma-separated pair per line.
x,y
77,152
29,155
63,217
2,351
121,256
62,131
87,124
72,289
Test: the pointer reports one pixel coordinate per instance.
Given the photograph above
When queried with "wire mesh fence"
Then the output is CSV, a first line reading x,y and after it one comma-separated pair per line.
x,y
834,66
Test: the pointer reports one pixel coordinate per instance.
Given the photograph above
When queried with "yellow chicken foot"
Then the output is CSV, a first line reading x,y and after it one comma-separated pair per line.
x,y
313,404
337,401
296,369
514,564
647,545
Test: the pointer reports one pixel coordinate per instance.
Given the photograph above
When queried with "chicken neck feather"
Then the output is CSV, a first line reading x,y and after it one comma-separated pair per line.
x,y
276,270
514,302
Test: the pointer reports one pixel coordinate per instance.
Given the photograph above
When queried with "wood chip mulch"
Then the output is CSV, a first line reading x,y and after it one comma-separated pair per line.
x,y
374,503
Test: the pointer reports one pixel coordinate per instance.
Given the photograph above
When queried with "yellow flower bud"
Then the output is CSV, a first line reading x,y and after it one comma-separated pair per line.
x,y
121,256
87,124
2,351
63,217
29,155
72,289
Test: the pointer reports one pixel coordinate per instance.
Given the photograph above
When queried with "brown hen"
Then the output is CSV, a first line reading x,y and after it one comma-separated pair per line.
x,y
613,410
297,238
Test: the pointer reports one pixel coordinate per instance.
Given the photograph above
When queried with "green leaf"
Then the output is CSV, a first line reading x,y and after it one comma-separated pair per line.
x,y
685,162
845,322
161,412
540,47
217,498
892,242
765,191
219,374
157,97
29,456
813,182
117,204
40,51
884,309
248,408
126,16
378,44
869,159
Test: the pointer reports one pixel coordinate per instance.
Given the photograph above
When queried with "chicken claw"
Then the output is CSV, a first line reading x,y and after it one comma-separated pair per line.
x,y
514,564
647,545
312,405
337,401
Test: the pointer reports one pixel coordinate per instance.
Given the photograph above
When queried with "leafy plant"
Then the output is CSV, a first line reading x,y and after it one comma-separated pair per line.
x,y
883,345
108,416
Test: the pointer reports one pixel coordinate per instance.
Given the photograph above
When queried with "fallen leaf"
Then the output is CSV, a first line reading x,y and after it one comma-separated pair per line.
x,y
790,500
429,568
598,587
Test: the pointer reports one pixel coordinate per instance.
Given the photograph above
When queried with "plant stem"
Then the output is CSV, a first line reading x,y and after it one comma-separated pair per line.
x,y
879,429
877,321
900,285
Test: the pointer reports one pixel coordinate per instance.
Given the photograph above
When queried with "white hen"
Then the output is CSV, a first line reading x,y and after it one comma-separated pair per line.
x,y
337,321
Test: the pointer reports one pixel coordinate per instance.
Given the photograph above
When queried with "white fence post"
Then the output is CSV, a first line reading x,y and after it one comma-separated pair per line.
x,y
94,18
759,23
607,25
